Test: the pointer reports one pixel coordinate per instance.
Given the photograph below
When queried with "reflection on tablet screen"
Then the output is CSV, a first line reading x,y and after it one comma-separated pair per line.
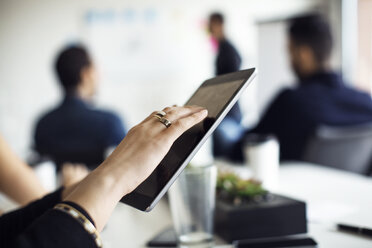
x,y
214,98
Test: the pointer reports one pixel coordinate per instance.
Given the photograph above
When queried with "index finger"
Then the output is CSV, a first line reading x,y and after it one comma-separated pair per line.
x,y
174,113
182,124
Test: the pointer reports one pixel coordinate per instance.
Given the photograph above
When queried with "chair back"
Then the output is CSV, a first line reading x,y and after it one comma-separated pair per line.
x,y
347,148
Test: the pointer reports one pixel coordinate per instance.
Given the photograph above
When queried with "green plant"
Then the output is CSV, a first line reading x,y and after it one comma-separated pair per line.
x,y
232,188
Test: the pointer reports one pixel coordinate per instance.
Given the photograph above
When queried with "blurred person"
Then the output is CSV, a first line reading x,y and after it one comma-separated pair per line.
x,y
75,131
73,216
321,97
228,60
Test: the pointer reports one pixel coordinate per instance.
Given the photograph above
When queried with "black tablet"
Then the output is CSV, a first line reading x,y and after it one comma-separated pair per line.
x,y
218,95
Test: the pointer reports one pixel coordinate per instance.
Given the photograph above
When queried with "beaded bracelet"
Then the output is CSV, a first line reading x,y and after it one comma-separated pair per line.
x,y
88,226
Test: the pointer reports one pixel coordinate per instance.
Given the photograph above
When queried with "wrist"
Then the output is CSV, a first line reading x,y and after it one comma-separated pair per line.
x,y
112,175
98,194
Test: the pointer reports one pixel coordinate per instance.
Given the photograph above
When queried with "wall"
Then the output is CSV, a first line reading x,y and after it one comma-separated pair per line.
x,y
31,32
273,62
364,56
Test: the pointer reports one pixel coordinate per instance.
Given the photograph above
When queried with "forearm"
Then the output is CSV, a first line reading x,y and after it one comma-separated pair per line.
x,y
17,180
21,185
99,193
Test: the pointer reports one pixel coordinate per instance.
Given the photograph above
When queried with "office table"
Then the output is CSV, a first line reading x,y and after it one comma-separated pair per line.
x,y
332,196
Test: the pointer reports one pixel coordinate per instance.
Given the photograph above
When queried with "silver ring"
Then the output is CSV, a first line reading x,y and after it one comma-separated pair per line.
x,y
167,123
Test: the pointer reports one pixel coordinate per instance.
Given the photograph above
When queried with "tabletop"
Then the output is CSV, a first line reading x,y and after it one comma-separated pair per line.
x,y
332,196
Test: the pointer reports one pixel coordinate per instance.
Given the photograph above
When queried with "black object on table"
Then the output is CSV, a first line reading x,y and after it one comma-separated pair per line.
x,y
280,216
166,238
363,231
298,242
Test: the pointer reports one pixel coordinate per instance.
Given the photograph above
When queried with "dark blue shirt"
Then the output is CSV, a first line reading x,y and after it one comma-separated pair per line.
x,y
322,99
229,130
228,60
76,132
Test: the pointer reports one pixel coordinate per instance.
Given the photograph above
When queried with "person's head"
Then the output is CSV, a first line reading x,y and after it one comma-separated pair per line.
x,y
310,44
215,25
76,72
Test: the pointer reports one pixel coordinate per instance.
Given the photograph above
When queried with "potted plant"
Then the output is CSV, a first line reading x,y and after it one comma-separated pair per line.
x,y
244,210
237,191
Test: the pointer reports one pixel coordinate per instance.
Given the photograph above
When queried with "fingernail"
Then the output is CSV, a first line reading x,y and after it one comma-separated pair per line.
x,y
204,111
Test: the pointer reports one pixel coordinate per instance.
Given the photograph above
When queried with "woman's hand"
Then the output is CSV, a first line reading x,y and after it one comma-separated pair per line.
x,y
132,162
147,143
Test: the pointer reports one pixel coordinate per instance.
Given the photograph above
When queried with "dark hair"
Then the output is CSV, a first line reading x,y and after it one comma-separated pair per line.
x,y
216,17
314,31
69,64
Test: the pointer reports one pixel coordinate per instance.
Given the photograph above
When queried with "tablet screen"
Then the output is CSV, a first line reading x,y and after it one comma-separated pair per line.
x,y
215,95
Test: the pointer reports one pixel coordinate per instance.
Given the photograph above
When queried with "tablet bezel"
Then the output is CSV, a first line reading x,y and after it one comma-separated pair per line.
x,y
146,203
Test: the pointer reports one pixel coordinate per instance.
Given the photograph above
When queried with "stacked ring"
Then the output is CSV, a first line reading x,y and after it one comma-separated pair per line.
x,y
160,114
161,117
167,123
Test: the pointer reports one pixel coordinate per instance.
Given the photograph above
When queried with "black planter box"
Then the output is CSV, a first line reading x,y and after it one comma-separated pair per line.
x,y
277,217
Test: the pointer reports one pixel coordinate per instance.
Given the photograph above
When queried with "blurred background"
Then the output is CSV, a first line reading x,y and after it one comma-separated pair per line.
x,y
151,54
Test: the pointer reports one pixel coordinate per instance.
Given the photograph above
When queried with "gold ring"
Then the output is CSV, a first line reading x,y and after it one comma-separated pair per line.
x,y
167,123
160,114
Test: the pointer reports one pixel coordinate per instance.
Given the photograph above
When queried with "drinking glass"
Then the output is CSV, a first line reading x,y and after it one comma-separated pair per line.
x,y
192,201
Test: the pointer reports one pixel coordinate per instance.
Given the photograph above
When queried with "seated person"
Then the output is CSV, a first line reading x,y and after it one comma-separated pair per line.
x,y
320,98
74,131
227,60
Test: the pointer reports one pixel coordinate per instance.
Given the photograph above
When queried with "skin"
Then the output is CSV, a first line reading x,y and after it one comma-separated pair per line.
x,y
73,173
131,162
303,60
87,87
17,179
216,30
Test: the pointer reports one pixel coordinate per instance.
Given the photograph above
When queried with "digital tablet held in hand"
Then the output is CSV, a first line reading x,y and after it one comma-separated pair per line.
x,y
218,95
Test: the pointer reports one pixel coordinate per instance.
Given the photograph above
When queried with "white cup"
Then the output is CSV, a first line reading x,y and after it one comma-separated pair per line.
x,y
261,154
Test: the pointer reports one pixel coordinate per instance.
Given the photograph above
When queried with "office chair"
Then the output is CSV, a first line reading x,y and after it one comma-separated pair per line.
x,y
347,148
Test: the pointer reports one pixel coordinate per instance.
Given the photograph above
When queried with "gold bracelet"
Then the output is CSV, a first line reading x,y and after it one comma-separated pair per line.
x,y
88,226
